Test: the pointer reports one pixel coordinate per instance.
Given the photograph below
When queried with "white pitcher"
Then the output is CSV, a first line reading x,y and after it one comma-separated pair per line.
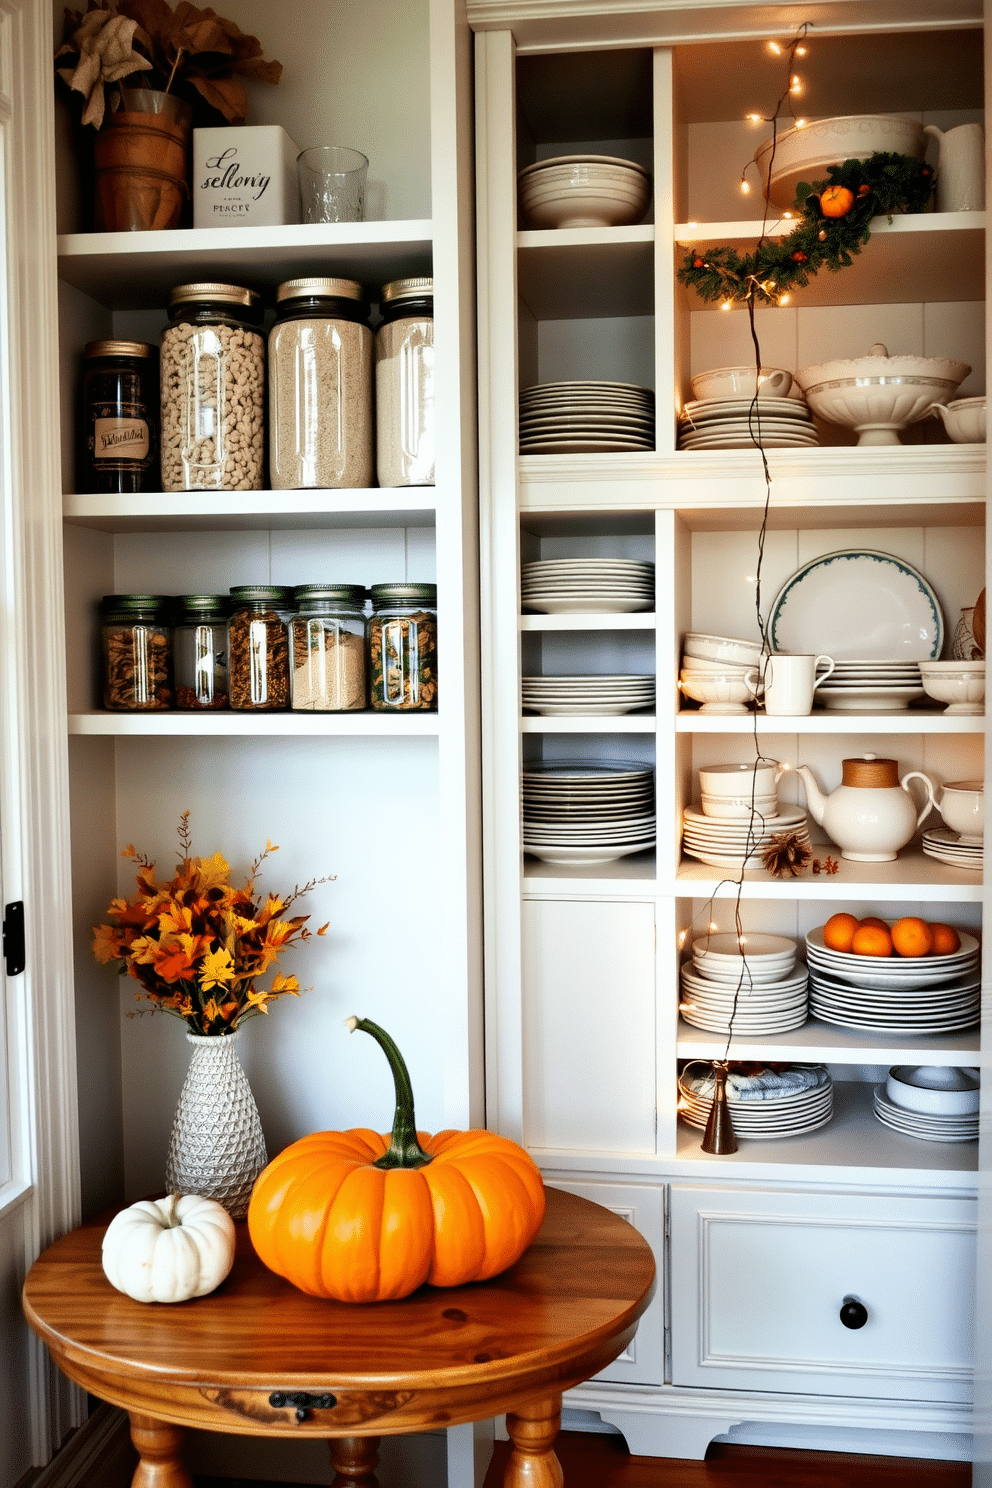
x,y
960,168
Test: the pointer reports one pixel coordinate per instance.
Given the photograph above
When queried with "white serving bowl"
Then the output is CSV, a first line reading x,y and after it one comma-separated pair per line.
x,y
738,382
805,154
959,684
584,191
739,778
720,648
739,807
941,1090
962,805
964,419
877,395
700,664
720,692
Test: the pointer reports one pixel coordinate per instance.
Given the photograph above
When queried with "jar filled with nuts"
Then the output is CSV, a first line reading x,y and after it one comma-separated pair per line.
x,y
402,637
327,635
320,386
200,644
258,648
404,384
118,448
213,390
136,640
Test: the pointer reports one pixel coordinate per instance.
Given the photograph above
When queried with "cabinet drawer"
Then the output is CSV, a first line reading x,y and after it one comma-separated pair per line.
x,y
759,1279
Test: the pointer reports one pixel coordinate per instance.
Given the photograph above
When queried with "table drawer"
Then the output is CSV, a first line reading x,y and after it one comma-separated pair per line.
x,y
759,1279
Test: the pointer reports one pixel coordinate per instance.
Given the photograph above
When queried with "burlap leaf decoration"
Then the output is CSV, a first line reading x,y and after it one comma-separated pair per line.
x,y
104,44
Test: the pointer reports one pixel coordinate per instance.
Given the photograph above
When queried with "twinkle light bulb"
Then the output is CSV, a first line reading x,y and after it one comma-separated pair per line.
x,y
801,51
775,49
795,86
800,123
784,299
745,187
727,305
756,118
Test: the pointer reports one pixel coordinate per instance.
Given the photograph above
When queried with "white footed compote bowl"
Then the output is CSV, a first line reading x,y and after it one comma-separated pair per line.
x,y
720,692
959,684
877,395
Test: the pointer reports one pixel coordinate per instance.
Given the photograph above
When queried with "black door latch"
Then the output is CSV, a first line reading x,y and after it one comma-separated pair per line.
x,y
304,1400
13,937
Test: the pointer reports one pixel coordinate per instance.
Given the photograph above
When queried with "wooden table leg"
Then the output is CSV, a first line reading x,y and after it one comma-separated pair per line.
x,y
160,1447
354,1459
532,1430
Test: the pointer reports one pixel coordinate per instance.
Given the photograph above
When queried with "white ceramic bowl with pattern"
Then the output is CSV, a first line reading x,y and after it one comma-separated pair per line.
x,y
877,395
964,419
720,692
959,684
583,191
805,154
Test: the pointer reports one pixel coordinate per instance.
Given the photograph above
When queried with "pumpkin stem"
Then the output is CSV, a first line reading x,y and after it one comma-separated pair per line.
x,y
404,1149
173,1210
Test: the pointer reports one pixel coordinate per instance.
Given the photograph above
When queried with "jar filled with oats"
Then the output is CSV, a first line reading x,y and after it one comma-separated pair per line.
x,y
327,641
404,384
258,648
119,437
200,646
320,386
136,642
213,390
402,638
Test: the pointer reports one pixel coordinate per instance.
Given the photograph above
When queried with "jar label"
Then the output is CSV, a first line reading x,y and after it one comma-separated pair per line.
x,y
120,439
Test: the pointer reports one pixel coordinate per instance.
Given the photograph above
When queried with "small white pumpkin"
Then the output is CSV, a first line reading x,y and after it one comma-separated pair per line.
x,y
168,1250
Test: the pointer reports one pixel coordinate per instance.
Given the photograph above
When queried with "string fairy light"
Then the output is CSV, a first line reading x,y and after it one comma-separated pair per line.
x,y
793,89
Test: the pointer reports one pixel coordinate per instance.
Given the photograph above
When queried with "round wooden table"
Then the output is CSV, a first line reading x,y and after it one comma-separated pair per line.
x,y
259,1358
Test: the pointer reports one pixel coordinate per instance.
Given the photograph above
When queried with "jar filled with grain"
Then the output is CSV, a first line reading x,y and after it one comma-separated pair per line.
x,y
136,642
402,638
404,384
327,641
213,390
258,648
320,386
118,445
200,647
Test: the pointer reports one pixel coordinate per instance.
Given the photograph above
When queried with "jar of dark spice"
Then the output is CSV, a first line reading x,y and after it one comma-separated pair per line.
x,y
200,646
136,640
258,648
402,637
327,635
404,384
118,445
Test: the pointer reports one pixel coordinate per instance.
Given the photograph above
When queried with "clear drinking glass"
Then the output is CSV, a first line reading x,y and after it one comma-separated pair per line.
x,y
332,183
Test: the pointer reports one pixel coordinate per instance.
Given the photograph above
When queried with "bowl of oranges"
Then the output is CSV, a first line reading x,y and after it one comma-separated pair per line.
x,y
897,954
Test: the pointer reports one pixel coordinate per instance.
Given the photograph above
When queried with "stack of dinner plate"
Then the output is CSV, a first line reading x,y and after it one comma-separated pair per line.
x,y
561,418
894,994
755,982
583,811
725,842
950,847
736,423
926,1126
785,1101
871,686
936,1103
587,694
562,586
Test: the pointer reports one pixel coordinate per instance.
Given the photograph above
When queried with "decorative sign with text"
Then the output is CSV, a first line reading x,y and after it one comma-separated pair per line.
x,y
244,177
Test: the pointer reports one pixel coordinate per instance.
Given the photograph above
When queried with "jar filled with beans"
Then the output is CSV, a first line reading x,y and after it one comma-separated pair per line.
x,y
327,639
213,390
320,386
402,639
200,645
258,647
136,642
118,445
404,384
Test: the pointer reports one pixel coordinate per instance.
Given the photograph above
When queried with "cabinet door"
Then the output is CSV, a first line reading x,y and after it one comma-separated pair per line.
x,y
759,1280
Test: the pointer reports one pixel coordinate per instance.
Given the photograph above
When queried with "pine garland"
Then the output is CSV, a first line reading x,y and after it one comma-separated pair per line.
x,y
882,184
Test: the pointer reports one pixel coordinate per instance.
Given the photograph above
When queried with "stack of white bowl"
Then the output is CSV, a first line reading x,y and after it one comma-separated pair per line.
x,y
740,815
583,191
781,1101
752,986
934,1103
959,684
721,672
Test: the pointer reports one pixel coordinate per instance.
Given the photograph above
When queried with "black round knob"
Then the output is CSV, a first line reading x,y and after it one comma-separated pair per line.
x,y
853,1314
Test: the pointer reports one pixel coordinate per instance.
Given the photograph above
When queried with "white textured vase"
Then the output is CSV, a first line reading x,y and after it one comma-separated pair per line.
x,y
217,1148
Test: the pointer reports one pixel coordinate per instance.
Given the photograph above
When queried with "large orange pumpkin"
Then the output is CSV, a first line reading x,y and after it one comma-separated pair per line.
x,y
365,1218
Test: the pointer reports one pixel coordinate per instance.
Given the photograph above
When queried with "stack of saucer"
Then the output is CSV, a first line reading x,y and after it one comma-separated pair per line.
x,y
725,842
871,686
562,586
894,994
784,1101
585,811
561,418
925,1126
950,847
754,984
587,694
743,423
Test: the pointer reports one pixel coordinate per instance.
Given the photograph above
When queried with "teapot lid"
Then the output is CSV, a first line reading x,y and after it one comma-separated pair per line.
x,y
871,773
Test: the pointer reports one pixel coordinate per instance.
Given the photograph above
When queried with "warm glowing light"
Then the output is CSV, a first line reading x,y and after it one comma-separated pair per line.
x,y
713,925
756,118
682,936
787,214
801,51
795,85
745,187
800,123
727,305
784,299
775,49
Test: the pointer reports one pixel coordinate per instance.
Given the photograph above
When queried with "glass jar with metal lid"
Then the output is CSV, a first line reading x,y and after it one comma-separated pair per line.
x,y
136,642
320,386
118,445
402,637
327,642
258,648
200,646
404,384
213,390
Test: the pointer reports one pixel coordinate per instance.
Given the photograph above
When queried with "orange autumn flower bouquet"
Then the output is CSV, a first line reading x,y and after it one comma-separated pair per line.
x,y
197,945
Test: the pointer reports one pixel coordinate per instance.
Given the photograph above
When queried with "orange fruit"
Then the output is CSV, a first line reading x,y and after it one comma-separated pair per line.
x,y
871,940
912,936
839,931
836,201
946,939
874,920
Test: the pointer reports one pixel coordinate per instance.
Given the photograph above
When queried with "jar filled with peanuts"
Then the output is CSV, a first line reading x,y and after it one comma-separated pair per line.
x,y
320,386
258,647
327,640
136,642
404,384
213,390
200,645
402,639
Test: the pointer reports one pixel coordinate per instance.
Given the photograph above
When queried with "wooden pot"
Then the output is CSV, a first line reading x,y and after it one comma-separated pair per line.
x,y
141,163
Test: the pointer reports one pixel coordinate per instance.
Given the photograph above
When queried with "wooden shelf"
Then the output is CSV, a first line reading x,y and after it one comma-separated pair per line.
x,y
255,725
245,511
821,1043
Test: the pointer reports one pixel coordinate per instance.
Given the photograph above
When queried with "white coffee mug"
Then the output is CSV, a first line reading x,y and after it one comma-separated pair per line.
x,y
790,682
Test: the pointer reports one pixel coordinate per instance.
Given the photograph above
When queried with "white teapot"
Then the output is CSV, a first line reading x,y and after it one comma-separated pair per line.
x,y
871,814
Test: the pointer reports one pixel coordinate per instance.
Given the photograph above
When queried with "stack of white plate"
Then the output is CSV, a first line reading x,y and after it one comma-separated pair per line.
x,y
788,1101
582,811
934,1103
894,994
742,423
562,418
924,1126
587,694
724,842
758,985
950,847
562,586
871,686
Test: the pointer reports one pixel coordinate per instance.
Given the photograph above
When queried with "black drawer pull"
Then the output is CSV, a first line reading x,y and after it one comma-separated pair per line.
x,y
853,1314
304,1400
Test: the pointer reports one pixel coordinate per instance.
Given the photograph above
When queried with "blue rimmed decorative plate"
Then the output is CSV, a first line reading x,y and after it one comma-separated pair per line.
x,y
858,604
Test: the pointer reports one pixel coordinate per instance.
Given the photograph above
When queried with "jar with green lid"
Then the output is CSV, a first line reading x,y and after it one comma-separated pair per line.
x,y
213,390
404,384
320,386
136,643
118,445
200,649
402,638
327,640
258,647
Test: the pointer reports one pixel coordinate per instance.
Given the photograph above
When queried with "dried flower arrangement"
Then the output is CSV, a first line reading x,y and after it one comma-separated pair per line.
x,y
197,945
